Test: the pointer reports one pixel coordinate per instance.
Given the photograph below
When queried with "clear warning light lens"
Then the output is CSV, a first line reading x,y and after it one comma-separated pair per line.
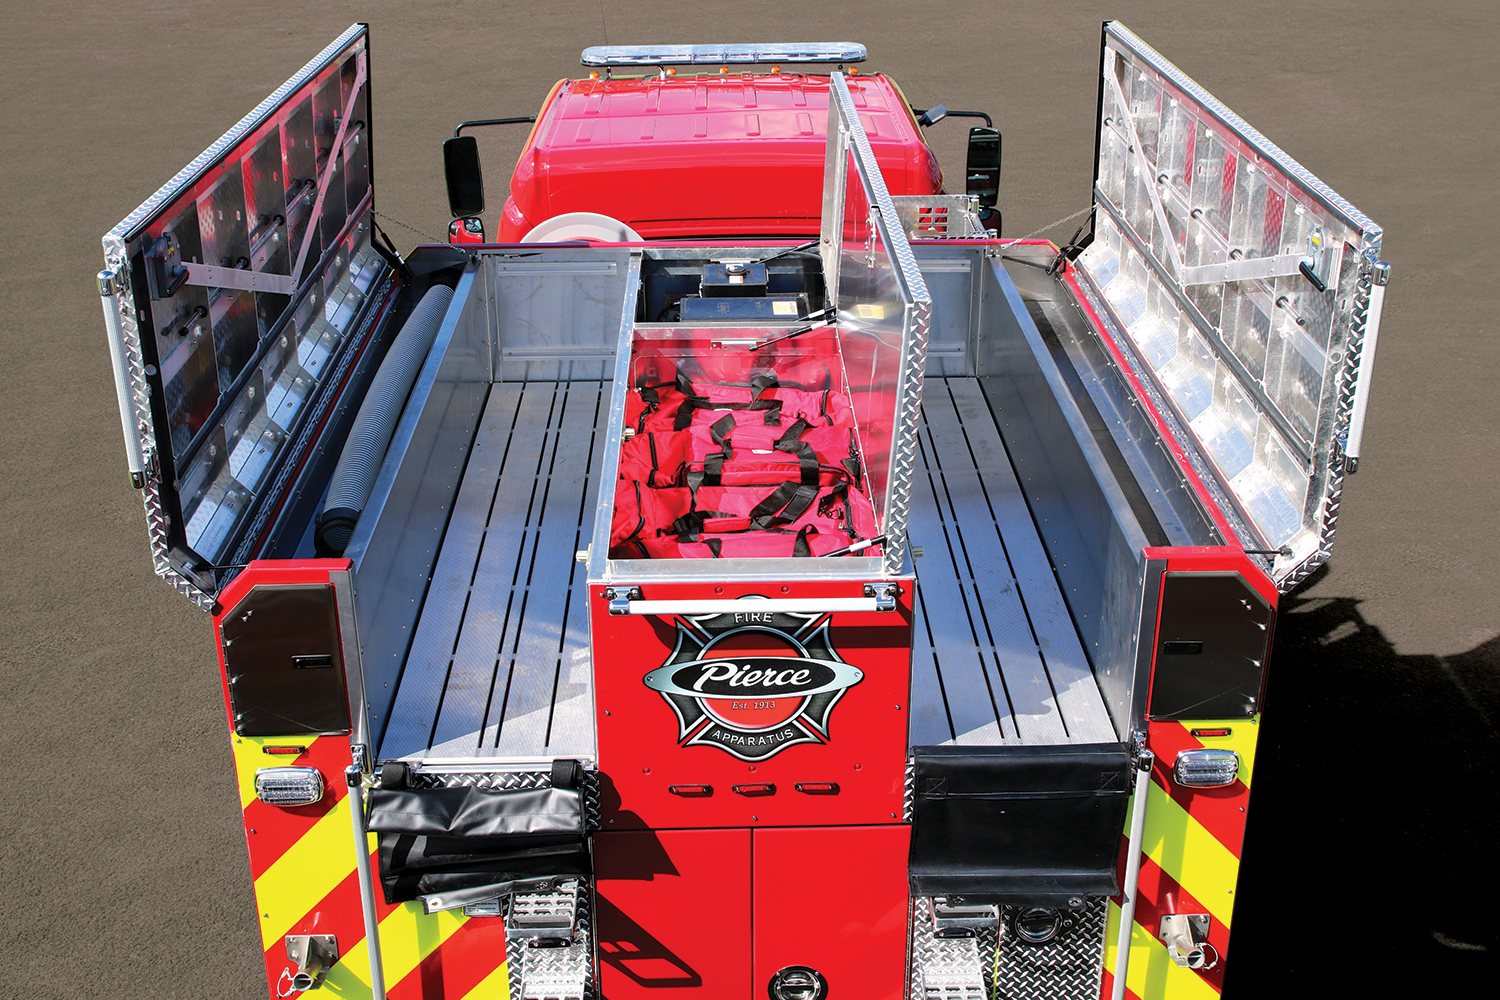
x,y
1206,768
288,786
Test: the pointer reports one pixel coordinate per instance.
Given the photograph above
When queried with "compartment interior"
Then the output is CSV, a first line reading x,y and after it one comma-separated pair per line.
x,y
1030,504
733,451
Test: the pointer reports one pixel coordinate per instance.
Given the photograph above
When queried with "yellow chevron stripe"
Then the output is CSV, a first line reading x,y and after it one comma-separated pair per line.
x,y
1190,854
248,758
495,986
1152,973
308,871
1243,738
407,935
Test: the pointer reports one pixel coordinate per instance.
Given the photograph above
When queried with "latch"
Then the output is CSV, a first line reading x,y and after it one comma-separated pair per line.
x,y
884,594
1186,935
619,599
312,954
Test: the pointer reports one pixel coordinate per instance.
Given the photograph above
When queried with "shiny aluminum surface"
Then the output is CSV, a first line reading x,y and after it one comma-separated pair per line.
x,y
884,312
499,663
996,658
1261,372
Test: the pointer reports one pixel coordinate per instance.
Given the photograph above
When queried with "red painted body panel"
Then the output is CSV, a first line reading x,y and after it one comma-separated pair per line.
x,y
684,157
674,913
271,831
834,899
643,752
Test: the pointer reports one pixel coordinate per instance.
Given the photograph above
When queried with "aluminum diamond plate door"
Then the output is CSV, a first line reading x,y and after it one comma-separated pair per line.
x,y
1245,288
234,298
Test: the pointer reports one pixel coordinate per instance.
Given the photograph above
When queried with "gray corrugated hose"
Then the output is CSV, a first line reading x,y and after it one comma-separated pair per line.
x,y
370,436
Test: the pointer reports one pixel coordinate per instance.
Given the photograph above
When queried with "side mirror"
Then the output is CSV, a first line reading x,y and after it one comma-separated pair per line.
x,y
932,116
982,175
465,180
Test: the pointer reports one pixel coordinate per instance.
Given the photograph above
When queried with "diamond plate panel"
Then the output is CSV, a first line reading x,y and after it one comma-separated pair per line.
x,y
553,973
1069,967
948,968
511,781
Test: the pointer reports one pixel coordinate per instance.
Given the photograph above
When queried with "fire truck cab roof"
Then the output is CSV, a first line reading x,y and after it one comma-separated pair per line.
x,y
656,151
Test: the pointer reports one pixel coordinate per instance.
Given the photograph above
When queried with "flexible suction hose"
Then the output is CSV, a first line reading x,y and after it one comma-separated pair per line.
x,y
370,436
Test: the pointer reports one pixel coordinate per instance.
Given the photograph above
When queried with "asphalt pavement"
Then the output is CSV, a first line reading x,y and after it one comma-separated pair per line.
x,y
1370,852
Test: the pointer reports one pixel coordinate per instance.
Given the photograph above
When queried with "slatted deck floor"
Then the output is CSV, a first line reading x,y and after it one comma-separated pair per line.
x,y
995,657
499,665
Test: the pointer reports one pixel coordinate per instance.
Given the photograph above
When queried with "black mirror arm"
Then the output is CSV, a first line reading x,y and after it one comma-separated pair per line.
x,y
529,119
989,123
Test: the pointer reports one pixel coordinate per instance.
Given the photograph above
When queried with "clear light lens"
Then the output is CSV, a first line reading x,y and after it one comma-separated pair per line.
x,y
288,786
1206,768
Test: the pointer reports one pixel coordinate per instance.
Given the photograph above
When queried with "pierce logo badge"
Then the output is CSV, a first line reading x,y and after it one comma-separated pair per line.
x,y
753,683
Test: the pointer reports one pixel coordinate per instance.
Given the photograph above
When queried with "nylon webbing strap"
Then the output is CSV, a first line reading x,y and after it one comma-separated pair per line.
x,y
713,464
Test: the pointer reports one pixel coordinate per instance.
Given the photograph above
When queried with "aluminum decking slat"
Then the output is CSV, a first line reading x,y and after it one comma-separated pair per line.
x,y
1077,693
427,664
476,654
951,656
536,656
987,581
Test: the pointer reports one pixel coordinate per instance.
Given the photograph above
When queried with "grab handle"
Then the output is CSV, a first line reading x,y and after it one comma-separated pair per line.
x,y
879,597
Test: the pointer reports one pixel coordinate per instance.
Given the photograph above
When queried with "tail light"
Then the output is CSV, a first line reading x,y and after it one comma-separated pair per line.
x,y
1206,768
288,786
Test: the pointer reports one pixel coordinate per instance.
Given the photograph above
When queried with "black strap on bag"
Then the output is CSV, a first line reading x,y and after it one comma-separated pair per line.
x,y
852,464
694,401
713,463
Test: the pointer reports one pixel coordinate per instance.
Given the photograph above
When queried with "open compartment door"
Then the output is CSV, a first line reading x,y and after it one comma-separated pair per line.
x,y
234,298
883,314
1248,293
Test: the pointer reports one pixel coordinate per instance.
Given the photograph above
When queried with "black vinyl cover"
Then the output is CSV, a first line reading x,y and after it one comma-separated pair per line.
x,y
1020,825
436,840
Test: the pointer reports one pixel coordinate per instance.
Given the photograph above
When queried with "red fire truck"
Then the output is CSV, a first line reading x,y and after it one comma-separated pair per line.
x,y
750,576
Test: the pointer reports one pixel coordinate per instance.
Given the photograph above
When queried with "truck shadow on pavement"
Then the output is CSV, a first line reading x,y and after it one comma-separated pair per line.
x,y
1371,843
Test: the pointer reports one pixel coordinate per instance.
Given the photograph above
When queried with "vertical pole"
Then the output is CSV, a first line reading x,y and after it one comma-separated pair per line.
x,y
366,883
1143,761
109,291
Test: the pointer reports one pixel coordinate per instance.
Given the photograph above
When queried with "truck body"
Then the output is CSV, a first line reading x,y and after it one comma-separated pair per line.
x,y
811,595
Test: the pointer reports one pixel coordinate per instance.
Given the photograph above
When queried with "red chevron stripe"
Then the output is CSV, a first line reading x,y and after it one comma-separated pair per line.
x,y
471,953
276,829
339,913
1107,988
1160,895
1221,811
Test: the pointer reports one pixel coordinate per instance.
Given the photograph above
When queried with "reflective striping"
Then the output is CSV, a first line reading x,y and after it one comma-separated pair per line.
x,y
308,871
1220,810
1190,854
407,936
495,986
1161,895
466,959
1152,972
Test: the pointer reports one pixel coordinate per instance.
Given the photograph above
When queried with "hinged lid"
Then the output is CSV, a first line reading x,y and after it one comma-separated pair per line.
x,y
1244,285
884,312
236,290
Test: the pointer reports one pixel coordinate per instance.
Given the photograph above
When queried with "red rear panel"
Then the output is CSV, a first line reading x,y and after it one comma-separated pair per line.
x,y
833,900
687,742
674,913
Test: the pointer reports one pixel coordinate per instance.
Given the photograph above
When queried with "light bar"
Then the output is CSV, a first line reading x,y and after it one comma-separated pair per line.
x,y
754,54
1206,768
288,786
